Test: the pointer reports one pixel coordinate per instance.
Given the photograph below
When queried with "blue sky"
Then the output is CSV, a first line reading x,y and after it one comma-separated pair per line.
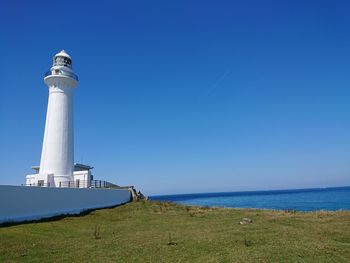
x,y
185,96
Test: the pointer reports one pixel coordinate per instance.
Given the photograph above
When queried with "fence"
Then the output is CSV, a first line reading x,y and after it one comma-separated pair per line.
x,y
78,184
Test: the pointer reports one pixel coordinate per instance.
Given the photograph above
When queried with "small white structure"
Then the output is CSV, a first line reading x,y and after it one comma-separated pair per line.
x,y
57,168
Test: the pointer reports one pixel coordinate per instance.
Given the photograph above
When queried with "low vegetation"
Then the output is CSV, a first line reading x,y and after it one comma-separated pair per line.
x,y
147,231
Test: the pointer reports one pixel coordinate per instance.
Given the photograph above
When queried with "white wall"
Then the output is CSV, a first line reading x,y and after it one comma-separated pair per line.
x,y
21,203
83,177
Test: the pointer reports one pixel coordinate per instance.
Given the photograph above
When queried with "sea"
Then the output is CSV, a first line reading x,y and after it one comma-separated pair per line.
x,y
334,198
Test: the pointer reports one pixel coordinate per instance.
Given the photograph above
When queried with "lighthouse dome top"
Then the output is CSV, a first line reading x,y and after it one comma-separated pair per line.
x,y
63,53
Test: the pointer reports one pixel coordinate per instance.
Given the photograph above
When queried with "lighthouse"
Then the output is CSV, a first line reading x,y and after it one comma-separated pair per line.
x,y
57,167
57,156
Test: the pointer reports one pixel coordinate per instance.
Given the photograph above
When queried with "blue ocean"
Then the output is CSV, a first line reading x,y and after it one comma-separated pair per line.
x,y
335,198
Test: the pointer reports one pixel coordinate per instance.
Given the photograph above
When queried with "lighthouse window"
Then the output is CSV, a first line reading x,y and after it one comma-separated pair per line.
x,y
62,61
59,61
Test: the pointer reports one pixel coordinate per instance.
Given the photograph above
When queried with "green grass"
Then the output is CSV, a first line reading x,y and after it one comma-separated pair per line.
x,y
164,232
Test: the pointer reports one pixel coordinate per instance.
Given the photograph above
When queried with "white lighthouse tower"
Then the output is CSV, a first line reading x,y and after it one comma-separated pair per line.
x,y
57,157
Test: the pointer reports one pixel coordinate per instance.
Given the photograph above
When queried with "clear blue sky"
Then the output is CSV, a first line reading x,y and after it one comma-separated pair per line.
x,y
185,96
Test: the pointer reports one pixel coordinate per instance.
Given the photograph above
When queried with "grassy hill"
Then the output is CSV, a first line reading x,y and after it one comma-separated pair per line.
x,y
165,232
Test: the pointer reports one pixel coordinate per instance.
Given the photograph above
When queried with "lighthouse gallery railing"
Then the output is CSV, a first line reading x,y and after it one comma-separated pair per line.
x,y
61,73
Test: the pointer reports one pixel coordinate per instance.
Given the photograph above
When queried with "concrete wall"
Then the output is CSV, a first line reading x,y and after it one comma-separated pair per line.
x,y
21,203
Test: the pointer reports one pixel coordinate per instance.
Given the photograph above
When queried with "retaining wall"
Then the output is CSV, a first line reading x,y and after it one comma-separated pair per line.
x,y
21,203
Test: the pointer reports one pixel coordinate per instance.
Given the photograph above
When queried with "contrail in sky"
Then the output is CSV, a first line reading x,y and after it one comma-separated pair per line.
x,y
218,81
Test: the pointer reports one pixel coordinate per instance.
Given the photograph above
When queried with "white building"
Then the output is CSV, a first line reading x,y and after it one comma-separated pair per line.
x,y
57,167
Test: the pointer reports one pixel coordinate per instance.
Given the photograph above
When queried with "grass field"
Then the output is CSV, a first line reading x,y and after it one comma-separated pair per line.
x,y
148,231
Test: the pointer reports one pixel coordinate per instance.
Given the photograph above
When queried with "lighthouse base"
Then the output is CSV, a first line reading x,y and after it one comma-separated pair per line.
x,y
80,179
